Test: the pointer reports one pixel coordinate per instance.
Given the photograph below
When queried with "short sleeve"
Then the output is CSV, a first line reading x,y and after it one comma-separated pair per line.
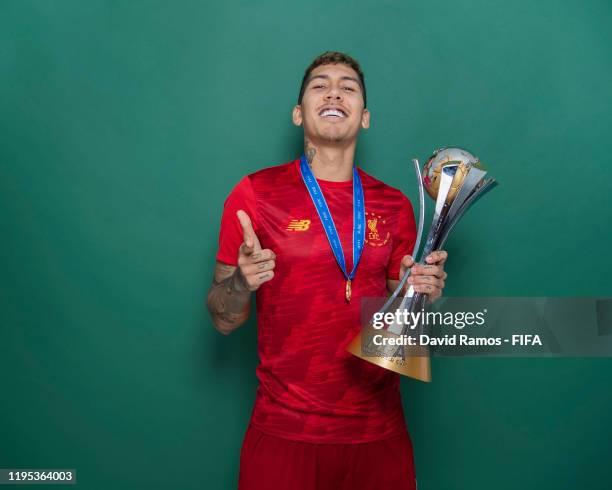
x,y
230,234
404,238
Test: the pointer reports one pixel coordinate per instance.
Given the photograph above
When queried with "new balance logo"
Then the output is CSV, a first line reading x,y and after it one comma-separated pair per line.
x,y
298,225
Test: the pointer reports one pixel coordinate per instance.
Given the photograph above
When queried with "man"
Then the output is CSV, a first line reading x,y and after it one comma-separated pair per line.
x,y
323,419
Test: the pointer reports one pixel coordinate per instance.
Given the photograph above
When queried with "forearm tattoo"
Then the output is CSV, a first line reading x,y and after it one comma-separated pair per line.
x,y
228,297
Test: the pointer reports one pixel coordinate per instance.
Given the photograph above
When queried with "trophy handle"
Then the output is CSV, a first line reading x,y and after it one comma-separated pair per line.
x,y
414,301
417,242
475,195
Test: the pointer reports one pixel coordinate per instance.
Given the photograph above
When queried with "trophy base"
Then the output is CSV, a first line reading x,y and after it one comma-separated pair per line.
x,y
417,363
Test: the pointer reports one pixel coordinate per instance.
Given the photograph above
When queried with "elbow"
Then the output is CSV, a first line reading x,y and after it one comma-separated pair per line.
x,y
223,321
226,324
225,328
221,328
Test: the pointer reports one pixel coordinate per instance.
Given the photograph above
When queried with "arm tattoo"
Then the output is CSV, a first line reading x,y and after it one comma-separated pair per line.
x,y
228,298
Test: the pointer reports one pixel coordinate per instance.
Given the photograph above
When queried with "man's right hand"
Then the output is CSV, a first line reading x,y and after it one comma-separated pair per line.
x,y
230,292
255,265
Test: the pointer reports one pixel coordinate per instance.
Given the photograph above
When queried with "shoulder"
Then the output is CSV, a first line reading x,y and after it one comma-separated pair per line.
x,y
386,191
276,182
264,179
286,170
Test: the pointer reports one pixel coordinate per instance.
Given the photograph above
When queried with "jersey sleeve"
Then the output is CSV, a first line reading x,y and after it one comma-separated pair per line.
x,y
230,234
403,240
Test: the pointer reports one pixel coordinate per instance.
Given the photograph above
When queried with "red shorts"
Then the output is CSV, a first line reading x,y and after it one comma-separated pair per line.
x,y
273,463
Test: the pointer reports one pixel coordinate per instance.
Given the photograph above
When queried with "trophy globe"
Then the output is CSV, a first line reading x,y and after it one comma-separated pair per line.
x,y
441,158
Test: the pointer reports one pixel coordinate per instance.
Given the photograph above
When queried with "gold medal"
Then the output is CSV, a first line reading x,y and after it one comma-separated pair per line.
x,y
347,290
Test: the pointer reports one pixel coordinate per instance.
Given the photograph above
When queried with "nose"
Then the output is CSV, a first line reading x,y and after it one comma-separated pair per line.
x,y
333,93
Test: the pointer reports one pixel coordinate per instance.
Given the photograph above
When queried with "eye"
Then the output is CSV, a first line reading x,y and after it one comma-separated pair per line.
x,y
319,86
349,89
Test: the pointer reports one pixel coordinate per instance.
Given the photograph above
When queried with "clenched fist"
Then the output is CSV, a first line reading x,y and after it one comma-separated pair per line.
x,y
426,278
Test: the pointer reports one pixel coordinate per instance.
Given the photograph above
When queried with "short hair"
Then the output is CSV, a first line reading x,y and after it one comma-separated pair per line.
x,y
333,58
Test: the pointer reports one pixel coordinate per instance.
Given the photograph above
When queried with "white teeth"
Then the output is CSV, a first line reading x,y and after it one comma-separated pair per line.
x,y
332,112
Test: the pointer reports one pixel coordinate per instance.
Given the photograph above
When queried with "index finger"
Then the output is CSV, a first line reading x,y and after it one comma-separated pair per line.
x,y
247,228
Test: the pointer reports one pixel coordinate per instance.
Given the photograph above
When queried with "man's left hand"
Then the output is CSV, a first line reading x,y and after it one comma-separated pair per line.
x,y
426,278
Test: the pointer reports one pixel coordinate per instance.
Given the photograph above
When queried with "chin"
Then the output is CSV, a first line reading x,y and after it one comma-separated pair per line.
x,y
335,136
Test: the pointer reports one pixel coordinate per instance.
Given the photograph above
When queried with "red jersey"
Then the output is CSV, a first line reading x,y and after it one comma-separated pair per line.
x,y
310,388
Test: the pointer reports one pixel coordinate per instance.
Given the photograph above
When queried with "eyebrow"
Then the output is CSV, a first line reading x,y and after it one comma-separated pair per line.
x,y
327,77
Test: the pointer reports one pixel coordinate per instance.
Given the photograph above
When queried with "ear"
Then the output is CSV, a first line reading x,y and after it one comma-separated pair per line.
x,y
365,119
296,115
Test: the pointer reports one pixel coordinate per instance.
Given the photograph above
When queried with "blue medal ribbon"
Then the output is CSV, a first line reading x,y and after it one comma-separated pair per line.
x,y
327,221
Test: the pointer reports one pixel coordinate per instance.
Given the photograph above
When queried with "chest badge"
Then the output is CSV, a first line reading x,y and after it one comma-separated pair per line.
x,y
298,225
376,235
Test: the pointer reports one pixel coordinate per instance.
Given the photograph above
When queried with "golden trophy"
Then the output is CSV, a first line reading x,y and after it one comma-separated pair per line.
x,y
455,179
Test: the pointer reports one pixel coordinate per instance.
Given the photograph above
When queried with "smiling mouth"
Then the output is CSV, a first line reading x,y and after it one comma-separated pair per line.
x,y
333,113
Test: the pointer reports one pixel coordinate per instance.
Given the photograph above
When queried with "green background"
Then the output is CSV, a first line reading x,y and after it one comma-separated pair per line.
x,y
123,126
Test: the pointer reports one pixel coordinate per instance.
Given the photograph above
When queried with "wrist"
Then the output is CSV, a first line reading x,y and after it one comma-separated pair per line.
x,y
239,282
